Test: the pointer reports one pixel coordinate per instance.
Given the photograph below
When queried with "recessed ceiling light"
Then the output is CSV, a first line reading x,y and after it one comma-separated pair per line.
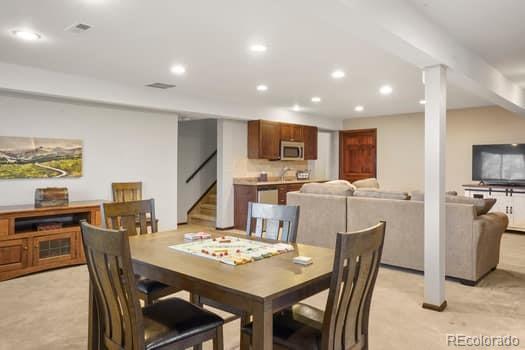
x,y
296,108
422,102
26,35
385,90
178,69
316,99
258,48
338,74
262,87
359,108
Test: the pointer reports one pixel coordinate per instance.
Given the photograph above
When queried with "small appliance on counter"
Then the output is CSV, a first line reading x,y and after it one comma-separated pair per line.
x,y
303,174
263,177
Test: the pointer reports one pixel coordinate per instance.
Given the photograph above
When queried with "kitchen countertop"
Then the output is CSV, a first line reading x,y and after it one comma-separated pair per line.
x,y
252,181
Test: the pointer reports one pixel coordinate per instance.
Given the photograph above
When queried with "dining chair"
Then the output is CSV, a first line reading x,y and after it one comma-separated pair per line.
x,y
116,317
133,217
126,191
344,322
278,222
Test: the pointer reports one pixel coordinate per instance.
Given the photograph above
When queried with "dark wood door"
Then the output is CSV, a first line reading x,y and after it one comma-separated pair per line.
x,y
357,154
270,140
292,132
310,142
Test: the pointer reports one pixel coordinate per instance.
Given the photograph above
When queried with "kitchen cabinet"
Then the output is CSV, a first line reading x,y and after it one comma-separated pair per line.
x,y
284,189
310,142
264,138
245,193
292,132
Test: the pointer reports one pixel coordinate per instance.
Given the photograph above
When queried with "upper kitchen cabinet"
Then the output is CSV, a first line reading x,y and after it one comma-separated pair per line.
x,y
292,132
264,138
310,142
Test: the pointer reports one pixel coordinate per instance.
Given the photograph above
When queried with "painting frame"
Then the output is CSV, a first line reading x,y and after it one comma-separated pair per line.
x,y
40,158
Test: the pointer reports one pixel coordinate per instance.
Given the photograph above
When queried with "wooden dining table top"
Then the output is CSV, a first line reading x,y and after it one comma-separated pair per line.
x,y
264,279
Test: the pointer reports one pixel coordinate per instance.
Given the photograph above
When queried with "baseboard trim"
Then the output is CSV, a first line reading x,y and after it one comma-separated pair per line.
x,y
224,228
433,307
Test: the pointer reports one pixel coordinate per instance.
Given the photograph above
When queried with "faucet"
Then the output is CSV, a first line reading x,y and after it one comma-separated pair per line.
x,y
283,172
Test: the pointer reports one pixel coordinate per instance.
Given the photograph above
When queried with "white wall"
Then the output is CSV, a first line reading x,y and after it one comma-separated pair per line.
x,y
197,141
119,145
327,164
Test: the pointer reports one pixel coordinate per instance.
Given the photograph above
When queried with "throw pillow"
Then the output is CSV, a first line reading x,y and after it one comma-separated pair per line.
x,y
342,182
366,183
482,205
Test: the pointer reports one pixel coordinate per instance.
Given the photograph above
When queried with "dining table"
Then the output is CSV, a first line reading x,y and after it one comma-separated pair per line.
x,y
259,288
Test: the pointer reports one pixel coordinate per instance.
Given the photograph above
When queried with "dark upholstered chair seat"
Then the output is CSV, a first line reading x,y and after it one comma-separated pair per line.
x,y
147,286
296,328
172,320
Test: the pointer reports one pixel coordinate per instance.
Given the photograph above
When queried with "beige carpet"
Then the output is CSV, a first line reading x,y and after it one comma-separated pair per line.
x,y
49,310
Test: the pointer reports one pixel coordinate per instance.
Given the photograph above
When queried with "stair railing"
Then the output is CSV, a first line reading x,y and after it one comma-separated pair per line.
x,y
201,166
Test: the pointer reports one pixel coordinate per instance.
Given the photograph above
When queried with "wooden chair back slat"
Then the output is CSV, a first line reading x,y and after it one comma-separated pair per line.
x,y
356,265
280,220
126,191
111,275
132,215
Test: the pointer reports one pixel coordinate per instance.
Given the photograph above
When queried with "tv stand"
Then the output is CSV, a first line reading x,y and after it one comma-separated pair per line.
x,y
37,239
510,199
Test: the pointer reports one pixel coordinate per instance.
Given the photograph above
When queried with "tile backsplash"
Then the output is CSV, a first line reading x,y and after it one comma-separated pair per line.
x,y
253,167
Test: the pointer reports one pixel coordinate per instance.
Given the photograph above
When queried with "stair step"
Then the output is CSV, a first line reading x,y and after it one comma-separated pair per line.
x,y
208,209
202,217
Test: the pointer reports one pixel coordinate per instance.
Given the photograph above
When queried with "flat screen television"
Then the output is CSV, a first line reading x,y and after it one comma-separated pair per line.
x,y
499,164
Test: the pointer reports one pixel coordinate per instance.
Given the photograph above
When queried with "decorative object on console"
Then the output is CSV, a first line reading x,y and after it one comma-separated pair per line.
x,y
30,157
51,197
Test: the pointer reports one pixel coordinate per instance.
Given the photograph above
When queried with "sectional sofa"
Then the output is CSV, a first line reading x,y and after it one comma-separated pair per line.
x,y
472,240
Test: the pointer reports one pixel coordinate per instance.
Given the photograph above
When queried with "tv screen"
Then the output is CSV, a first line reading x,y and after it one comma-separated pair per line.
x,y
499,164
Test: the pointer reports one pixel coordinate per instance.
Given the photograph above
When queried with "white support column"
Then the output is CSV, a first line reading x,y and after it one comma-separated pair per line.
x,y
435,149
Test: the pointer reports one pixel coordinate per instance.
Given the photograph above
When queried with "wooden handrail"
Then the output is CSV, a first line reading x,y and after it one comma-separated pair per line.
x,y
201,166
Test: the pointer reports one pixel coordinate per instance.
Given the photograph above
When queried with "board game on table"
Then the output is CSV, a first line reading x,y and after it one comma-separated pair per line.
x,y
232,250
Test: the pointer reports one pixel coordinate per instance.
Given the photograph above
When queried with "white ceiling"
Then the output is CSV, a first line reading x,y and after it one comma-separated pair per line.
x,y
134,42
494,29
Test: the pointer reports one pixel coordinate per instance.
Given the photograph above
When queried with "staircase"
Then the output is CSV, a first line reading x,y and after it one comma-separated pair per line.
x,y
204,212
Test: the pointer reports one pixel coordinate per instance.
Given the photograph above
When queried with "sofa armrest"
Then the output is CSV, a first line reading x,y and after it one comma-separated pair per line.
x,y
487,233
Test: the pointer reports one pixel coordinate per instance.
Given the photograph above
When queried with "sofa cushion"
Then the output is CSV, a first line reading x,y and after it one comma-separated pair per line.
x,y
366,183
337,189
420,195
383,194
482,205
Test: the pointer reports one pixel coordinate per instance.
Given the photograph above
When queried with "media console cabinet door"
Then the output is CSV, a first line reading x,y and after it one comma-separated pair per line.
x,y
56,248
13,254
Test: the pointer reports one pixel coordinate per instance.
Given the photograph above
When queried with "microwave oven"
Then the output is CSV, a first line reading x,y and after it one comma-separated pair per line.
x,y
292,150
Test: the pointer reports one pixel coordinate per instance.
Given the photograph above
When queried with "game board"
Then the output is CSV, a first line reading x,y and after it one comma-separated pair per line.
x,y
233,250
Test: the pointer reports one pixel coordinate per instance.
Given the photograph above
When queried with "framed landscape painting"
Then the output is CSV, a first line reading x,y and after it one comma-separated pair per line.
x,y
32,157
